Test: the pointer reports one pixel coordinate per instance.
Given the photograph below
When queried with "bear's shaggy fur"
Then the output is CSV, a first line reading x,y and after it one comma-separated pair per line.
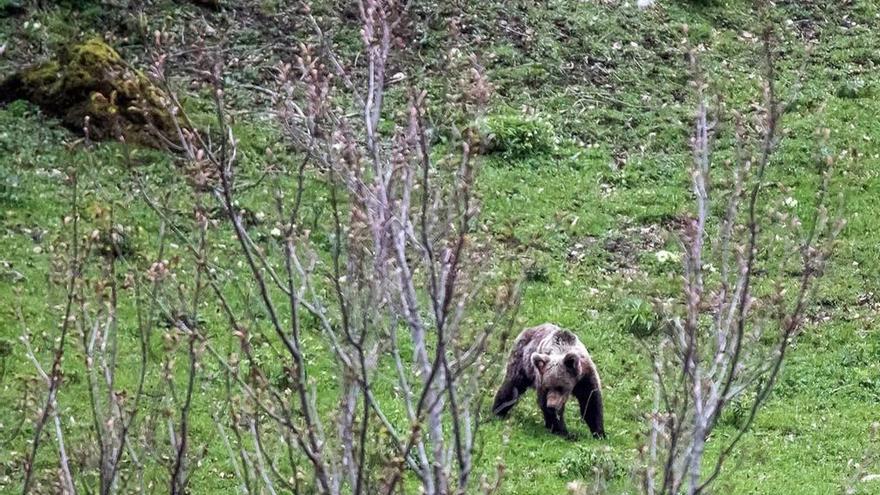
x,y
556,364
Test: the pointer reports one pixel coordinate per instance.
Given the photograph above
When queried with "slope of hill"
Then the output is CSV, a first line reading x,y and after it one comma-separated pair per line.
x,y
592,108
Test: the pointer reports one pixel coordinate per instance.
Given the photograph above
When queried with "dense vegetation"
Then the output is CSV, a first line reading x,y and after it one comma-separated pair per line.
x,y
582,185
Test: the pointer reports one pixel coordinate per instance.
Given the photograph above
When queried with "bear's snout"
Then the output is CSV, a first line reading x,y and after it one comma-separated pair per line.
x,y
555,400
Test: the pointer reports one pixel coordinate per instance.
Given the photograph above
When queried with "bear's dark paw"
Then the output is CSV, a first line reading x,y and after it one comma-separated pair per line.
x,y
501,411
562,433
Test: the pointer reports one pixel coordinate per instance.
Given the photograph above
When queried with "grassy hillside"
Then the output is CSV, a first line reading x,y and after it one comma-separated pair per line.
x,y
593,102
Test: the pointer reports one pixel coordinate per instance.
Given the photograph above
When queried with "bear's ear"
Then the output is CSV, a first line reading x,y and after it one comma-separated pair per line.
x,y
540,361
572,363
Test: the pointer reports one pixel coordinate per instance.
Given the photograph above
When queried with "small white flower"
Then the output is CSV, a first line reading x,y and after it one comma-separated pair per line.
x,y
790,202
276,232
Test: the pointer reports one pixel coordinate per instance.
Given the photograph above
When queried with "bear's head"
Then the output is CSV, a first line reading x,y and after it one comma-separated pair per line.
x,y
557,376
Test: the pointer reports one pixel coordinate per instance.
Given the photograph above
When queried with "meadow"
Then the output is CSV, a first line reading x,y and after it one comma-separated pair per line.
x,y
592,110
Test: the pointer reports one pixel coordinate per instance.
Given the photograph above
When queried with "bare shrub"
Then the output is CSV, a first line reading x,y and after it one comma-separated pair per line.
x,y
370,265
390,280
107,321
742,308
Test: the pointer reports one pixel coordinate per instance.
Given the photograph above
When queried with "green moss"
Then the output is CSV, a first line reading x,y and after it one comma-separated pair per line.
x,y
94,52
46,76
88,62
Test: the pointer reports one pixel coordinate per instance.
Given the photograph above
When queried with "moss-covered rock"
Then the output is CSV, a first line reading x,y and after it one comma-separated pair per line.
x,y
91,79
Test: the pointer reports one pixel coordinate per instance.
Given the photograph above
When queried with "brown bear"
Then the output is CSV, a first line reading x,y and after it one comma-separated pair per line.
x,y
556,364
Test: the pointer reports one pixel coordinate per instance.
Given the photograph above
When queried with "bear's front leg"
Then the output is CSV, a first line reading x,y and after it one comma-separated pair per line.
x,y
589,395
554,420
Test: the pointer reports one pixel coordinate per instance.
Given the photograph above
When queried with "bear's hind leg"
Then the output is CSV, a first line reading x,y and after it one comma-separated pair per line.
x,y
508,394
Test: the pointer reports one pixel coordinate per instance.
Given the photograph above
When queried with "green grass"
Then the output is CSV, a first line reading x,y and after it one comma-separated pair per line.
x,y
582,213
